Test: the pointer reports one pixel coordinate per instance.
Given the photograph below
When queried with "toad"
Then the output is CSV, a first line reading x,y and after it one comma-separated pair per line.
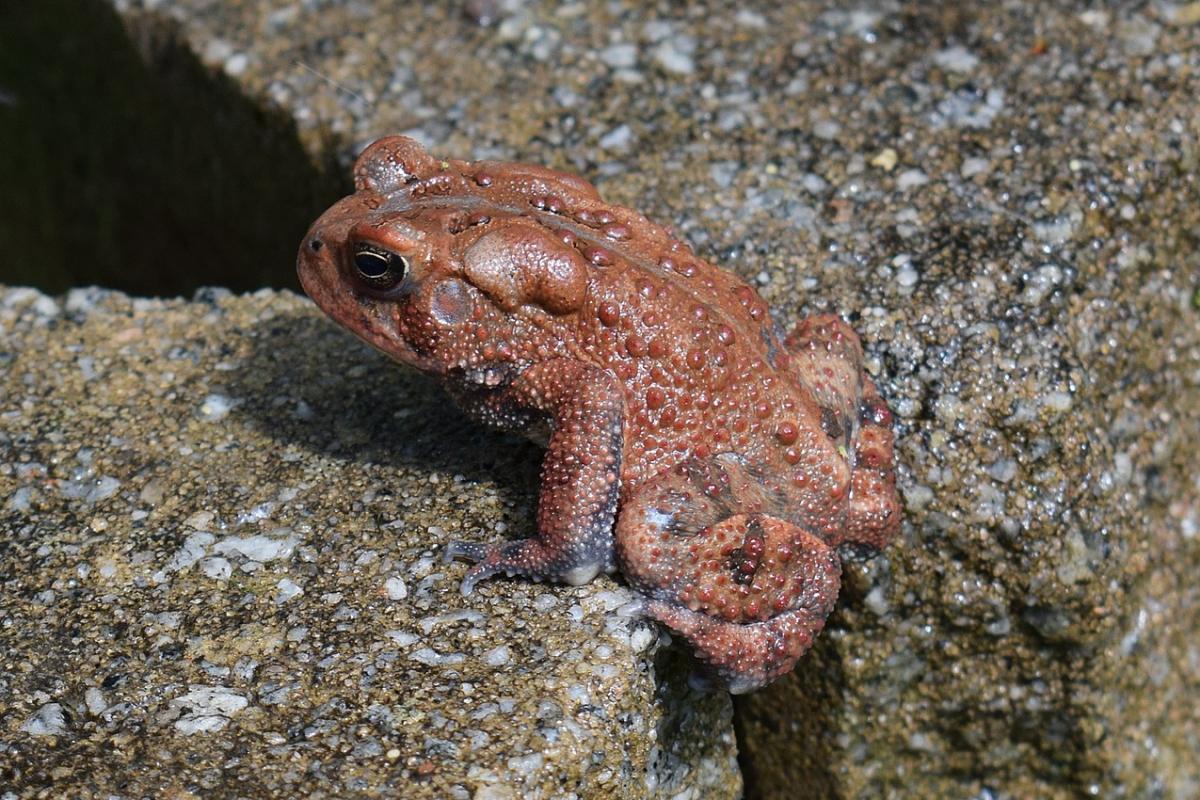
x,y
724,468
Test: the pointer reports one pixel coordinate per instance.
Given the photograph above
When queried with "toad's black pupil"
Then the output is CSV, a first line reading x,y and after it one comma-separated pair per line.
x,y
371,264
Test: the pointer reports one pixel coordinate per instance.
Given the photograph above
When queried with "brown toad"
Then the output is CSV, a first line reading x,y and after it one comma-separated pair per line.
x,y
720,466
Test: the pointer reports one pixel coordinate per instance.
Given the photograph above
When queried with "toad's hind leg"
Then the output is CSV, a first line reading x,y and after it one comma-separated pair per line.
x,y
873,513
747,589
828,359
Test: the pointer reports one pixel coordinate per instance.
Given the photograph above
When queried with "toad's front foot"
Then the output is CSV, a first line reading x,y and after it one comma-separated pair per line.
x,y
527,557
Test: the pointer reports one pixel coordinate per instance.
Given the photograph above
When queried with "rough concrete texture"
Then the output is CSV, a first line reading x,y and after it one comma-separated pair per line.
x,y
221,578
1004,202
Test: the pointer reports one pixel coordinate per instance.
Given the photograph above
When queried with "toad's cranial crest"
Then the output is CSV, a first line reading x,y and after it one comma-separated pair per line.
x,y
719,467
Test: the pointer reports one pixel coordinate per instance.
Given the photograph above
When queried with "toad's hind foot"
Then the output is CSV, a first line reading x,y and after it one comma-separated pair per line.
x,y
742,658
527,557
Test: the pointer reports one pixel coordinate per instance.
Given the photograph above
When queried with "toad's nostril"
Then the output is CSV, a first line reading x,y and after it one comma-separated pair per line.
x,y
316,245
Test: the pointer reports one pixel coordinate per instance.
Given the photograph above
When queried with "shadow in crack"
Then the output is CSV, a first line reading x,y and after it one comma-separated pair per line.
x,y
127,163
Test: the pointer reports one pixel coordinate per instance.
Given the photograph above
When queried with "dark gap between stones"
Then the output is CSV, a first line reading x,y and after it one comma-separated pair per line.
x,y
127,163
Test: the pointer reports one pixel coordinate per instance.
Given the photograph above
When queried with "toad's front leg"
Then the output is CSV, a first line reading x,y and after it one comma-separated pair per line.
x,y
580,475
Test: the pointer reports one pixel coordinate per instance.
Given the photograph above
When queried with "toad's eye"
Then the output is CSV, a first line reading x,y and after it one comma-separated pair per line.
x,y
379,268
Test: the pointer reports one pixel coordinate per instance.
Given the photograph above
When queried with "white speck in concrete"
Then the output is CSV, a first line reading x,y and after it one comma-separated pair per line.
x,y
956,59
216,407
432,658
258,547
750,19
95,701
1041,283
217,568
1057,401
918,495
257,514
906,275
90,491
207,708
48,720
814,183
723,173
607,599
641,638
21,499
1003,470
975,166
194,548
497,656
1058,230
526,764
216,51
396,588
675,55
1138,36
911,178
470,615
200,521
620,56
288,589
826,129
876,600
236,64
403,638
619,138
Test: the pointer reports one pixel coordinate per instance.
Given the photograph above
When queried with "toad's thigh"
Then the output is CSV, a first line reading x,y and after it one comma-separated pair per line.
x,y
700,537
